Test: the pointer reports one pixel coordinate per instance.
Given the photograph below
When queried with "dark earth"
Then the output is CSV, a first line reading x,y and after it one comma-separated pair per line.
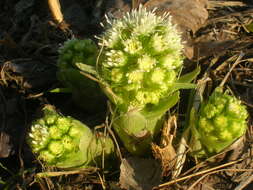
x,y
217,34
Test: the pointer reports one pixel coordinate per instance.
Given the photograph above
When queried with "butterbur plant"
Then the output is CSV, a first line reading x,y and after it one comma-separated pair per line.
x,y
64,142
139,70
221,120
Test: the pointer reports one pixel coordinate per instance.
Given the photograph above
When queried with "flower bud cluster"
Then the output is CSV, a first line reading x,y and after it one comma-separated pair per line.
x,y
77,51
56,138
221,121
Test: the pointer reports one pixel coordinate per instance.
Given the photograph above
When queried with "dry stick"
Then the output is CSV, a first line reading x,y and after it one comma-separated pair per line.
x,y
198,173
114,139
238,60
55,174
55,8
101,180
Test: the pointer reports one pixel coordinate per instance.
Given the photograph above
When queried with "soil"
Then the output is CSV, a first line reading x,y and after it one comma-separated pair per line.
x,y
29,43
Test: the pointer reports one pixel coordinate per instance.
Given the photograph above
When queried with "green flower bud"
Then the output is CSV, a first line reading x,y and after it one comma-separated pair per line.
x,y
74,55
222,119
77,51
56,148
69,145
47,156
64,124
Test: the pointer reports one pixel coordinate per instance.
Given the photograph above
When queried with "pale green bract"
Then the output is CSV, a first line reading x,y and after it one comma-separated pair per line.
x,y
65,142
142,57
221,120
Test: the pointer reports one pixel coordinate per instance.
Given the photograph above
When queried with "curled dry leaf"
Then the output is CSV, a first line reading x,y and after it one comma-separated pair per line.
x,y
166,153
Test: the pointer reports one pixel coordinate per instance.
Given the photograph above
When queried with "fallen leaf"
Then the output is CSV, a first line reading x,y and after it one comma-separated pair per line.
x,y
187,14
139,173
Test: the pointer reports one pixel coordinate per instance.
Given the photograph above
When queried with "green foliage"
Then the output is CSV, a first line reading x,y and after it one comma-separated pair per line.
x,y
65,142
221,120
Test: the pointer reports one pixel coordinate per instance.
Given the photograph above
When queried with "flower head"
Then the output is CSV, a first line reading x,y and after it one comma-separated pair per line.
x,y
146,50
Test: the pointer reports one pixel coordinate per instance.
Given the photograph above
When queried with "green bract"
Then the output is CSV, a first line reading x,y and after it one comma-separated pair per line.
x,y
73,56
142,57
221,120
65,142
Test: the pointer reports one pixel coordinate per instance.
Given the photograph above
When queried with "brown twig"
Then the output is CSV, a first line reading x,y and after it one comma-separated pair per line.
x,y
238,60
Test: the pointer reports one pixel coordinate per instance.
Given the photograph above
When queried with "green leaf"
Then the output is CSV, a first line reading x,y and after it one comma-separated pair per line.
x,y
250,27
189,76
61,90
197,150
177,86
151,111
87,68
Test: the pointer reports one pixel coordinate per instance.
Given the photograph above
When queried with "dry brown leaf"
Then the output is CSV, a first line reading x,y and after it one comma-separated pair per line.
x,y
187,14
139,173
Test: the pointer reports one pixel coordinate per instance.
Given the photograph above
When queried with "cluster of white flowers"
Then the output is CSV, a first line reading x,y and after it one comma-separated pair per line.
x,y
39,135
142,56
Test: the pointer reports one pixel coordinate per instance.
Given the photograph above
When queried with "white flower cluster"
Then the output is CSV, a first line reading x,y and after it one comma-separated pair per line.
x,y
39,135
142,56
